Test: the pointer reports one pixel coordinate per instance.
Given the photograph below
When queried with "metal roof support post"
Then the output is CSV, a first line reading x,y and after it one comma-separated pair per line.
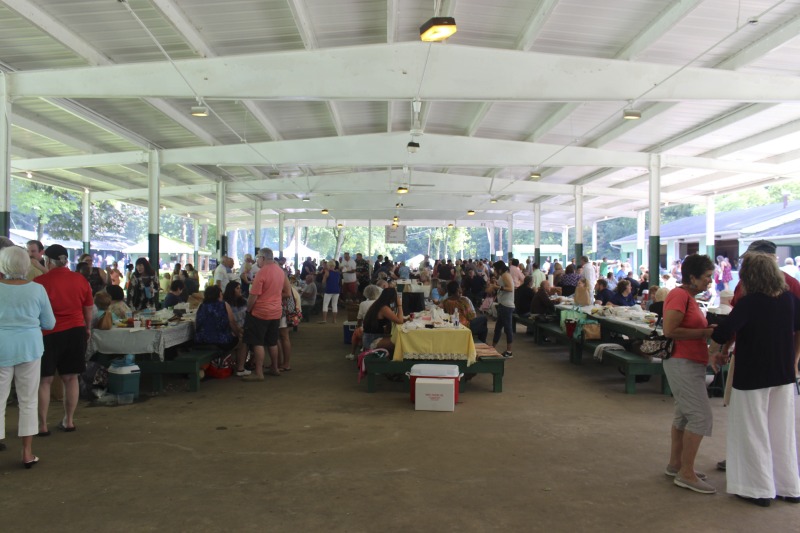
x,y
537,234
510,238
257,227
710,229
222,235
491,243
5,158
196,224
565,245
281,234
594,241
578,224
297,246
86,212
638,260
655,215
369,246
153,208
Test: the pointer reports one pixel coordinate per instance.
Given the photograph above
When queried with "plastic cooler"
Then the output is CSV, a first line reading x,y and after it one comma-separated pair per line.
x,y
435,394
348,329
124,380
444,372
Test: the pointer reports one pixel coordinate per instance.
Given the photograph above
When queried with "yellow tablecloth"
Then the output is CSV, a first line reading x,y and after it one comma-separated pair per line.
x,y
434,344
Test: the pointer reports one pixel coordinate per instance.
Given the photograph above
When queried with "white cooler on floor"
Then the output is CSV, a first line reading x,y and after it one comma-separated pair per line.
x,y
445,373
436,394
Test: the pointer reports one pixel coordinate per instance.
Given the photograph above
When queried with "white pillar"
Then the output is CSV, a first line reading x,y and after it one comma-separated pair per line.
x,y
579,224
196,224
594,239
511,235
537,233
257,227
565,244
86,211
297,246
639,257
222,235
655,214
280,234
5,158
710,229
491,242
153,207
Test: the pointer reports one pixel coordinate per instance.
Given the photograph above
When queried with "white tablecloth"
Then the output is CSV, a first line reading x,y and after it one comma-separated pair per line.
x,y
139,341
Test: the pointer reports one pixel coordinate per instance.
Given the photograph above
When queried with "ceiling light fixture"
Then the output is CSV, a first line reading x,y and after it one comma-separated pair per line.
x,y
450,225
306,199
29,174
340,225
199,110
536,175
402,189
324,211
493,201
631,114
437,29
471,212
396,218
412,147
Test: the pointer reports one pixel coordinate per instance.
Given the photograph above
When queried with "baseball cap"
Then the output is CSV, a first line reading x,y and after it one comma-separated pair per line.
x,y
55,251
763,246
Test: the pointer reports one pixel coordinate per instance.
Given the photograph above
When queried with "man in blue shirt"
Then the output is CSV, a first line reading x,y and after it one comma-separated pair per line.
x,y
602,293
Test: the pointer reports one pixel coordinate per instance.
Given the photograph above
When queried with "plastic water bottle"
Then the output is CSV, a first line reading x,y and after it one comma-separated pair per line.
x,y
455,317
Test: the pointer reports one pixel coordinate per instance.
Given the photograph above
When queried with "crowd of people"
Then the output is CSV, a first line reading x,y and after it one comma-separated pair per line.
x,y
51,310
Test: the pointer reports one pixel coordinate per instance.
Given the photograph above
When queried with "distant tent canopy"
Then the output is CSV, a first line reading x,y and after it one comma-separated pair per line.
x,y
166,245
302,252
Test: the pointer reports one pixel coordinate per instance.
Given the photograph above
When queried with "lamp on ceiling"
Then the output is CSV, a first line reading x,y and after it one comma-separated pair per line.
x,y
437,29
451,225
629,113
340,225
493,201
199,110
402,189
536,175
471,212
324,211
412,147
306,199
396,219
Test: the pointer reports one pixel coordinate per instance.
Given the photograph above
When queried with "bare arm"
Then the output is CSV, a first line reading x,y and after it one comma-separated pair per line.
x,y
673,329
386,312
251,301
88,313
232,321
287,288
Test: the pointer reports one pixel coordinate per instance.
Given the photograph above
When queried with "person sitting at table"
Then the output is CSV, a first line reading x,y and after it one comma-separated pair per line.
x,y
438,293
467,316
611,281
371,293
175,294
602,293
102,301
658,299
379,319
568,281
165,282
474,287
234,297
542,304
623,296
118,307
523,297
215,322
308,297
583,295
558,272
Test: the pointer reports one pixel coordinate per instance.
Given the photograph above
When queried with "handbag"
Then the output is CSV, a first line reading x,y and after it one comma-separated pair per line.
x,y
106,321
292,311
591,331
654,345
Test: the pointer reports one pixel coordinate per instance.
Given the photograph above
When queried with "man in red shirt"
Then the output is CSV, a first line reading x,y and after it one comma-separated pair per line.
x,y
264,309
65,345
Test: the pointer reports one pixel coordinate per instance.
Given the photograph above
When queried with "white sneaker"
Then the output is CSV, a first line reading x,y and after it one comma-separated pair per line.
x,y
350,357
242,373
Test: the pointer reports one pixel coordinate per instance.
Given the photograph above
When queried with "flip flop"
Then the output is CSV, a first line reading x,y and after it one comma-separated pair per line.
x,y
43,433
285,369
65,429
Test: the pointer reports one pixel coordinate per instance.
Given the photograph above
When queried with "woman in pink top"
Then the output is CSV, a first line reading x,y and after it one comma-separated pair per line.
x,y
686,372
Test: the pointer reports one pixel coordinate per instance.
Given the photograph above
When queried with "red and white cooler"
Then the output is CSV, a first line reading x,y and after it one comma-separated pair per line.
x,y
443,372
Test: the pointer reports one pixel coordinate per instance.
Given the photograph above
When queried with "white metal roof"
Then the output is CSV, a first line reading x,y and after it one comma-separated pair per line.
x,y
313,99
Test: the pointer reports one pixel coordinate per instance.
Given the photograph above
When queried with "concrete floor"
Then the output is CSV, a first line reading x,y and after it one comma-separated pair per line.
x,y
561,449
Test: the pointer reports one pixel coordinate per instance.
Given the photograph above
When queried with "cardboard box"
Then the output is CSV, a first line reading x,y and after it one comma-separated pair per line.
x,y
435,394
422,370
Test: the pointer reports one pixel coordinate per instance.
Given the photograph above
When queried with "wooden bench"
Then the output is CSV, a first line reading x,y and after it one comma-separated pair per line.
x,y
527,321
636,365
188,362
484,365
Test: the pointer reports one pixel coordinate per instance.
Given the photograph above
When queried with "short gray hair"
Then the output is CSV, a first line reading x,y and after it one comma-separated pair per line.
x,y
14,262
5,242
371,292
266,253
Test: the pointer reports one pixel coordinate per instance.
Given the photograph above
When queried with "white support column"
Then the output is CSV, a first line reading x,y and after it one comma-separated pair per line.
x,y
578,224
511,235
594,239
297,246
639,257
196,224
710,228
257,227
369,245
565,244
281,219
153,207
655,214
537,233
5,158
222,234
86,212
491,242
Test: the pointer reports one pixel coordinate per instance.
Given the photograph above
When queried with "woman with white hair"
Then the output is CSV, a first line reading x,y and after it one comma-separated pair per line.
x,y
25,312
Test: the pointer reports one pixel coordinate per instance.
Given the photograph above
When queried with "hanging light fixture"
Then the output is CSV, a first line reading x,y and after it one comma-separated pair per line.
x,y
536,175
29,174
324,211
450,225
437,29
306,199
471,212
340,225
412,147
199,110
629,113
402,189
493,201
395,218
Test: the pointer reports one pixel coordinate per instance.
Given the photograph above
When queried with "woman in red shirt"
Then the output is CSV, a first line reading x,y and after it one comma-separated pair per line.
x,y
686,372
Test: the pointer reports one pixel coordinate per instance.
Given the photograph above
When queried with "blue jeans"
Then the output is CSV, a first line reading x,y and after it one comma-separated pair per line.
x,y
503,322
